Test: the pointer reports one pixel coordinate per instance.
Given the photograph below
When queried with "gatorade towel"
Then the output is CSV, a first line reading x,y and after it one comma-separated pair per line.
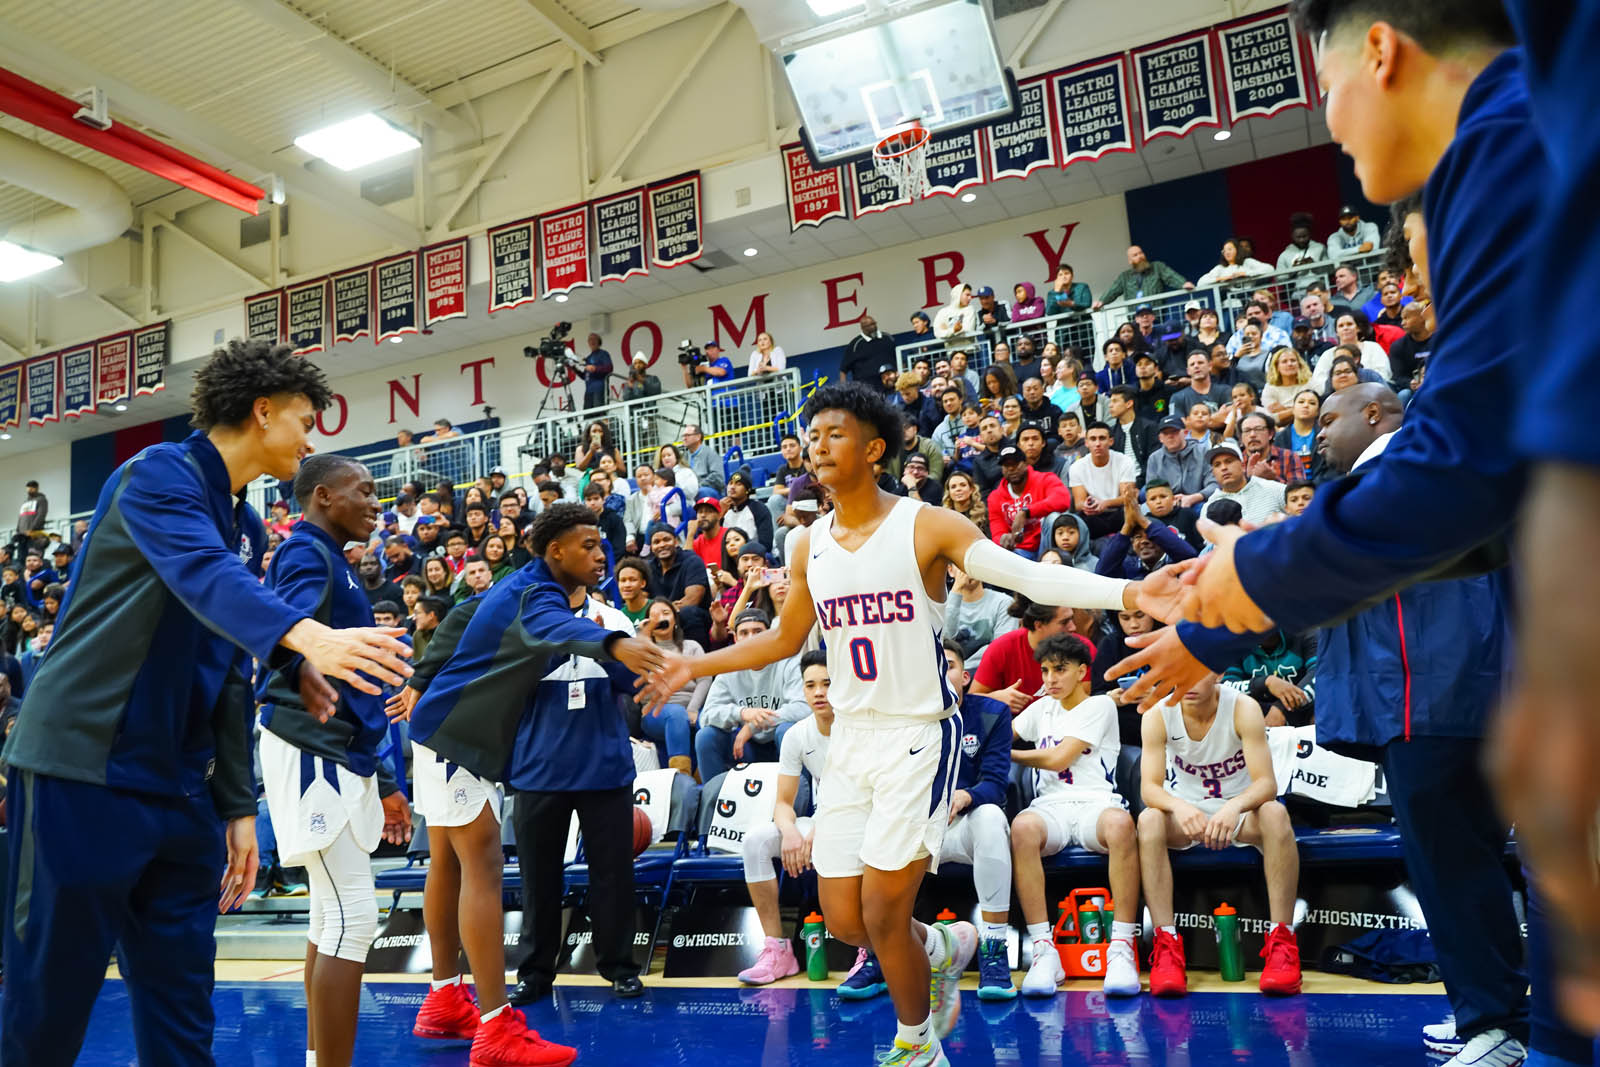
x,y
1306,769
746,801
652,791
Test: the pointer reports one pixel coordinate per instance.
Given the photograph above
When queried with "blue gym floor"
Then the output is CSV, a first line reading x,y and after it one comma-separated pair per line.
x,y
262,1023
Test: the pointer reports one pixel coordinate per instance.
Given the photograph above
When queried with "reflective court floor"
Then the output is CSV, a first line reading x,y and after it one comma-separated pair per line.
x,y
261,1024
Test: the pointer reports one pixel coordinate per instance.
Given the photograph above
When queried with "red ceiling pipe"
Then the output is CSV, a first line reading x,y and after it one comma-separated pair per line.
x,y
48,110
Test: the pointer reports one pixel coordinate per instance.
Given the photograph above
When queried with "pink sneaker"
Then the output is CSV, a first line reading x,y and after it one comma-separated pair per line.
x,y
776,961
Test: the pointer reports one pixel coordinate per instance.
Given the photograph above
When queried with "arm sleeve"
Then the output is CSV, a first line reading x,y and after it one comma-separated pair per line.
x,y
995,770
163,508
1066,586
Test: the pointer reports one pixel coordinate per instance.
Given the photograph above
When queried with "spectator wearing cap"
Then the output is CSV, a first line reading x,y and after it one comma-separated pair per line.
x,y
868,350
1143,278
1152,395
706,537
1100,480
992,313
610,522
916,483
428,532
1181,464
278,522
497,482
1200,387
61,560
400,559
1354,237
641,383
804,508
1066,295
741,510
1257,498
1305,341
888,379
1023,499
715,367
746,713
1147,332
681,577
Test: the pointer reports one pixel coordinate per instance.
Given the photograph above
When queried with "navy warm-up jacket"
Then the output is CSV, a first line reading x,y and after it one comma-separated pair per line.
x,y
985,750
470,711
144,684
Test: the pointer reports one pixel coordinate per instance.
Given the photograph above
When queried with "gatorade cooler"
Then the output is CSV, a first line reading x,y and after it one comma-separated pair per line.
x,y
1081,943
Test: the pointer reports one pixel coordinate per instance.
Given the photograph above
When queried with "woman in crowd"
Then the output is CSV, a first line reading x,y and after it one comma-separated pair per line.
x,y
961,494
1344,372
436,573
633,588
1354,332
1287,375
729,577
597,442
497,555
1027,305
1131,339
1208,331
1300,436
1011,417
1233,266
766,357
672,727
1064,392
999,382
669,457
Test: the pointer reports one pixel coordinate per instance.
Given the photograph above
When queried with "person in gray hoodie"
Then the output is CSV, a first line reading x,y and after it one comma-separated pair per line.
x,y
1073,553
1181,463
747,713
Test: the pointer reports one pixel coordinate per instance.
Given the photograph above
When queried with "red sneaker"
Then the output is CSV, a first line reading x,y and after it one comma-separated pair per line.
x,y
1281,974
1167,975
448,1013
506,1041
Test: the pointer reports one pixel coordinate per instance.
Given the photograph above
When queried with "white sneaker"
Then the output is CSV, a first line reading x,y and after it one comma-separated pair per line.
x,y
1492,1048
944,996
1441,1037
1046,973
1122,969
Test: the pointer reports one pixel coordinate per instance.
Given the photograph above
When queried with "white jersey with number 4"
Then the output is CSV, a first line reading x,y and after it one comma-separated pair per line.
x,y
1093,774
881,629
1213,767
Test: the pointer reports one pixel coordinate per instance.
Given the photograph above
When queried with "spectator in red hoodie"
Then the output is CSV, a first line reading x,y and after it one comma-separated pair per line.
x,y
1023,498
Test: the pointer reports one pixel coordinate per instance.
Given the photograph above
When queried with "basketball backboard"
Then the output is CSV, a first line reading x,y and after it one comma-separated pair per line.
x,y
888,64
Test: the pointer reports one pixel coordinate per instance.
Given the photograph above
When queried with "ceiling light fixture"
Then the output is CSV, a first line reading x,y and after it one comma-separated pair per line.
x,y
827,9
752,252
356,142
17,262
5,437
122,407
561,298
1222,135
967,198
396,340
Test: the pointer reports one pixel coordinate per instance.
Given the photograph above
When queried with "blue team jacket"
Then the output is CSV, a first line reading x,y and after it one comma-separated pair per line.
x,y
551,734
165,606
310,573
1449,482
474,705
985,767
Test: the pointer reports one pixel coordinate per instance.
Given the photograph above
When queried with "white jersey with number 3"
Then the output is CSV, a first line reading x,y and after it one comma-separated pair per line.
x,y
1213,767
881,629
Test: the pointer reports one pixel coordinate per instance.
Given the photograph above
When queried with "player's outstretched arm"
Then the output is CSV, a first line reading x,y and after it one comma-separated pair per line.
x,y
955,540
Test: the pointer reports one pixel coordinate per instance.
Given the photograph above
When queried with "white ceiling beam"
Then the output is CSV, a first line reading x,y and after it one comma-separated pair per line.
x,y
354,63
172,227
1025,43
574,34
43,62
131,320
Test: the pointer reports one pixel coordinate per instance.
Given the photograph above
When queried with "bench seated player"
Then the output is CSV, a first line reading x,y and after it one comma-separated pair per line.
x,y
1208,779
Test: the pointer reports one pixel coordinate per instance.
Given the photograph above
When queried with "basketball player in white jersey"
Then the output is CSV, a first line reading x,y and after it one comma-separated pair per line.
x,y
787,838
1208,780
872,574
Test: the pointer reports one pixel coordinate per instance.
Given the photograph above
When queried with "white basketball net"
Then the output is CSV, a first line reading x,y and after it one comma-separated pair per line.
x,y
902,157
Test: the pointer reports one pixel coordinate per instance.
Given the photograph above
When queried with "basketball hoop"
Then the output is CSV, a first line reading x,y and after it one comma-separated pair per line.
x,y
902,157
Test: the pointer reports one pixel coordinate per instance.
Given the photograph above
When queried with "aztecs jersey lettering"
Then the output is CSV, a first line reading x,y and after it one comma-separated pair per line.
x,y
1213,767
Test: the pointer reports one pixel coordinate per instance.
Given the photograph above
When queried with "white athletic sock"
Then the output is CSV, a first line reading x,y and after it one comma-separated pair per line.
x,y
994,931
1125,932
1173,930
917,1035
1041,932
311,1057
935,946
490,1015
441,983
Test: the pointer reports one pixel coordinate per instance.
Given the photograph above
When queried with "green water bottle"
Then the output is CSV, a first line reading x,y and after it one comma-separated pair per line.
x,y
816,952
1089,929
1108,908
1230,954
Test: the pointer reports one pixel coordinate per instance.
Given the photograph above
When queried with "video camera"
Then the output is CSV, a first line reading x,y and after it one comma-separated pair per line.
x,y
689,354
554,346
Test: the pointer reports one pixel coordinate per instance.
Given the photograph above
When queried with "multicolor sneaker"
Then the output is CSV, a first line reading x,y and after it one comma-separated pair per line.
x,y
448,1013
1281,974
1442,1037
506,1041
1168,977
904,1055
776,961
944,990
994,971
865,979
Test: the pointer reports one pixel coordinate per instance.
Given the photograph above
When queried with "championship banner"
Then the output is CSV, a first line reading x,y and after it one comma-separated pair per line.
x,y
815,196
444,281
44,387
675,222
511,265
352,304
77,381
1092,112
955,163
564,251
1262,66
308,317
871,190
11,397
113,369
263,316
150,358
1024,144
619,236
1176,85
398,310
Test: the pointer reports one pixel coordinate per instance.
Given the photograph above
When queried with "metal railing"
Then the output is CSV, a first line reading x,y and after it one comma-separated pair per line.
x,y
1088,333
749,412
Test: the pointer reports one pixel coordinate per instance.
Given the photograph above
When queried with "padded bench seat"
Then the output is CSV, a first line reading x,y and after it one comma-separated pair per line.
x,y
1334,844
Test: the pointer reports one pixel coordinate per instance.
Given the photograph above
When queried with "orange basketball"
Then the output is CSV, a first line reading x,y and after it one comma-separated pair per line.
x,y
643,832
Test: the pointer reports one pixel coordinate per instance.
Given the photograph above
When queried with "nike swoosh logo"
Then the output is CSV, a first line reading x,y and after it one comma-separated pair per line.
x,y
916,750
810,751
1180,737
